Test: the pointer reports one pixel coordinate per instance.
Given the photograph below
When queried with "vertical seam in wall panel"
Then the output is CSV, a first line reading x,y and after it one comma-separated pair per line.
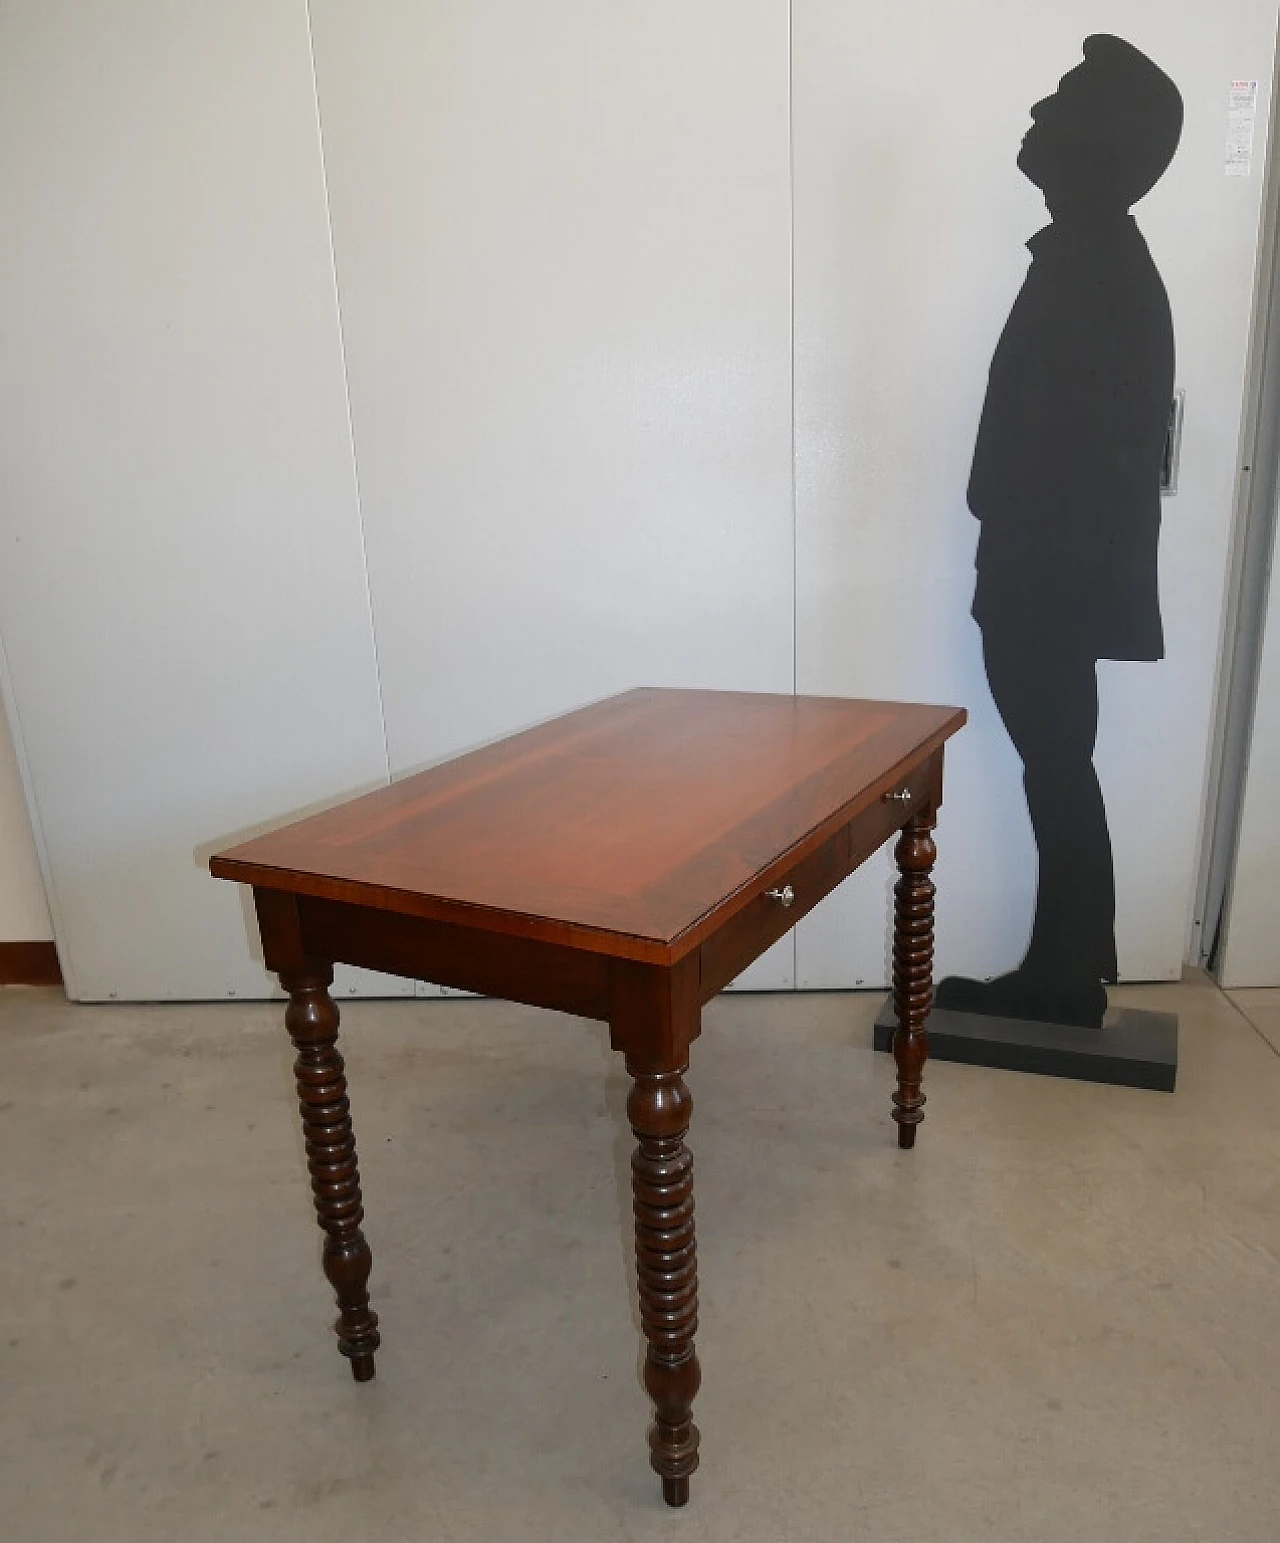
x,y
346,394
36,820
791,296
795,500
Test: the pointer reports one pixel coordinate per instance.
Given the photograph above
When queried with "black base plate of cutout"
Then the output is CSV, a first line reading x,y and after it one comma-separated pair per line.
x,y
1132,1049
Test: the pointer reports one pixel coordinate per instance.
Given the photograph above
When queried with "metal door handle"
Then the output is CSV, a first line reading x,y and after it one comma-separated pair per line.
x,y
784,896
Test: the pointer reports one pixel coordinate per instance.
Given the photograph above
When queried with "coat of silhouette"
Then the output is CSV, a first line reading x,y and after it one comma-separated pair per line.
x,y
1066,484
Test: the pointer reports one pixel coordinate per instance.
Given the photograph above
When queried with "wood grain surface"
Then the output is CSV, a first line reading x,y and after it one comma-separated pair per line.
x,y
650,817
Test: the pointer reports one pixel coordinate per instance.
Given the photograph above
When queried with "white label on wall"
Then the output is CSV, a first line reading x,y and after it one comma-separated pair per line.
x,y
1242,114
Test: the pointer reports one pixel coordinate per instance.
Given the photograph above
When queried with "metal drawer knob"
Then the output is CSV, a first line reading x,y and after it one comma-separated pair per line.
x,y
784,896
903,796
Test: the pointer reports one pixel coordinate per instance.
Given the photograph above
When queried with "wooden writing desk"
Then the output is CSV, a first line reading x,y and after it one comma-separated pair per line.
x,y
624,863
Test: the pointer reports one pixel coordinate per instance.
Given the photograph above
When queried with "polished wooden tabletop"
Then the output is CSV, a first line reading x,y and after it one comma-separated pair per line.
x,y
633,827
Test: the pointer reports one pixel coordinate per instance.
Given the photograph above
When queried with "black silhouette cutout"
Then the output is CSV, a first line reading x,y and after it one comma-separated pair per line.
x,y
1066,482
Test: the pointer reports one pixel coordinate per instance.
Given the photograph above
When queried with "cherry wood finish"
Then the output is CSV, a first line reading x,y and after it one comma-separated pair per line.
x,y
912,968
633,828
659,1109
312,1021
623,863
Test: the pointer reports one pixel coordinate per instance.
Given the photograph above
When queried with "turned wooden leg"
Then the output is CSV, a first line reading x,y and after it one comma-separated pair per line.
x,y
912,968
659,1108
312,1021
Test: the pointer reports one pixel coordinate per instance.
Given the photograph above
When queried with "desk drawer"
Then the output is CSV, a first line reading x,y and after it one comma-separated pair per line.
x,y
765,918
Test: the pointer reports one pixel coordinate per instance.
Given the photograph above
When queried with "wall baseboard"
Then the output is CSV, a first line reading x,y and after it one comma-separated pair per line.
x,y
29,964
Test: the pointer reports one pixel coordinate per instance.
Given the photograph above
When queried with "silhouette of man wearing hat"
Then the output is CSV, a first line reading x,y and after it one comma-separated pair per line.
x,y
1066,485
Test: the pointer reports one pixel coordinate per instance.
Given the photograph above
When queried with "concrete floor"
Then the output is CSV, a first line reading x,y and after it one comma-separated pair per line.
x,y
1055,1320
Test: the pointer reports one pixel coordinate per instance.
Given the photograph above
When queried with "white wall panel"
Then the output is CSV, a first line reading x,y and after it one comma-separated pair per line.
x,y
1251,955
909,224
182,590
562,241
24,915
563,245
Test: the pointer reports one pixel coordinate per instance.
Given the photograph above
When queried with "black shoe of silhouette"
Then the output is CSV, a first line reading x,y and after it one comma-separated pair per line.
x,y
1022,995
